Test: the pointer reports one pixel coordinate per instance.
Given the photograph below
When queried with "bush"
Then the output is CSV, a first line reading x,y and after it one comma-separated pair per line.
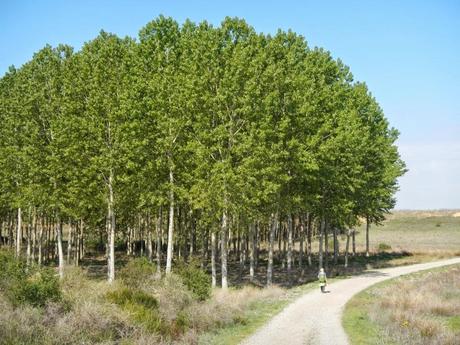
x,y
27,285
137,272
142,307
196,280
383,247
124,296
40,288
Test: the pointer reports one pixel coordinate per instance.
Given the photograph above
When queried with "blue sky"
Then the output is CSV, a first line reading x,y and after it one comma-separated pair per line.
x,y
408,52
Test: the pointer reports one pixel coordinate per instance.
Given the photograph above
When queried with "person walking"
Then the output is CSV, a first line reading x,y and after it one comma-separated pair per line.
x,y
322,280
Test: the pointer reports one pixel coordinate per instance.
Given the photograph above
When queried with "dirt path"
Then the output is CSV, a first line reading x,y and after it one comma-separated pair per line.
x,y
315,318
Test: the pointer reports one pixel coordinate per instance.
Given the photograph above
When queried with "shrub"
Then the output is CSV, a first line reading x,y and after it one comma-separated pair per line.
x,y
124,296
137,272
196,280
32,286
383,247
142,307
40,288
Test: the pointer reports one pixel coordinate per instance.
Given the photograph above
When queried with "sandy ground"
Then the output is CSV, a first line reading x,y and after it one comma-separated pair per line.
x,y
315,318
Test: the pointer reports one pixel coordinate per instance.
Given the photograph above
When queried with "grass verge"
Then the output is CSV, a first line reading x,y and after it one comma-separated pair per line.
x,y
419,308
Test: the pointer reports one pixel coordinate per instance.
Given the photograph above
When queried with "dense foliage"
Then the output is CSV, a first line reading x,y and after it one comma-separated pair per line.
x,y
194,128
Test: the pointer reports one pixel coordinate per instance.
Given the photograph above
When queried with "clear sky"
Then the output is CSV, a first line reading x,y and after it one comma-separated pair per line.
x,y
408,52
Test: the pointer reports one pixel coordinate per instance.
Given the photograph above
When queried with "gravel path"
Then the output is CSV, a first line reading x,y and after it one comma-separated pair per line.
x,y
315,318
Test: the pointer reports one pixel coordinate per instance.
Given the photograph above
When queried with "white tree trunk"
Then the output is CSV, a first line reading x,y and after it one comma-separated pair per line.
x,y
320,249
213,259
111,233
224,249
289,249
273,227
19,233
158,238
60,251
171,223
252,249
346,247
367,236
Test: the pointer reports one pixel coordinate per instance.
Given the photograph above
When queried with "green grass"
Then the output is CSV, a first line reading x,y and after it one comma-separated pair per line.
x,y
454,323
359,327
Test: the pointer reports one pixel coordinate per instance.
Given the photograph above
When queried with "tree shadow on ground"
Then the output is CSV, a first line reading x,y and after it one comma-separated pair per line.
x,y
95,265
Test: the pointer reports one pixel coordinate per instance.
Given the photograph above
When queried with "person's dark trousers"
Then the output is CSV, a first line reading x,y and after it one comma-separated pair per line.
x,y
322,288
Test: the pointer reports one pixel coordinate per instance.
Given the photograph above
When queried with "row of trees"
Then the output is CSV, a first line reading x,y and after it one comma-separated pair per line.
x,y
185,137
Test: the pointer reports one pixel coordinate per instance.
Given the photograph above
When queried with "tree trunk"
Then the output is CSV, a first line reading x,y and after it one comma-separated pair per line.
x,y
59,246
273,226
28,231
149,240
367,236
256,252
169,252
40,240
346,248
326,245
309,235
320,249
158,229
301,244
213,259
289,248
34,235
252,250
224,254
336,246
69,242
19,233
354,242
111,240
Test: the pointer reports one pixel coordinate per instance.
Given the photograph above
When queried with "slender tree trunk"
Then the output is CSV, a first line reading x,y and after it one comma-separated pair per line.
x,y
111,224
69,241
34,234
149,238
76,252
354,241
336,246
28,251
169,253
205,248
301,245
273,226
326,245
40,240
82,241
158,236
19,233
252,250
59,247
224,250
367,236
256,251
213,259
346,247
2,239
289,248
10,231
309,236
321,237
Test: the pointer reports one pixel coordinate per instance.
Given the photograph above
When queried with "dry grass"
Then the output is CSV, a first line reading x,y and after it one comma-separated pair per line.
x,y
418,310
87,316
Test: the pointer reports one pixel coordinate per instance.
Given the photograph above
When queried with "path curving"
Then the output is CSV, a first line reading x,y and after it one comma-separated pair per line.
x,y
315,318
